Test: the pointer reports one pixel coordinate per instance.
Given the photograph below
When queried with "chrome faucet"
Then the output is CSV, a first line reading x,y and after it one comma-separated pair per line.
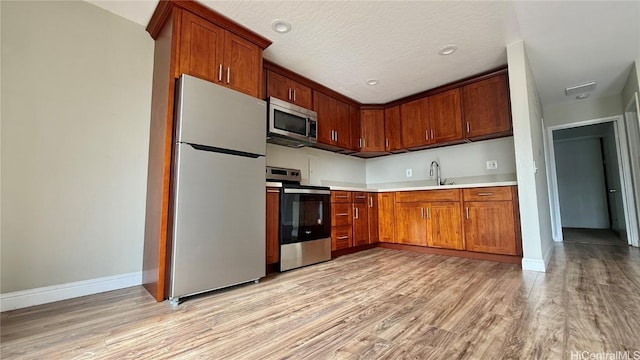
x,y
438,179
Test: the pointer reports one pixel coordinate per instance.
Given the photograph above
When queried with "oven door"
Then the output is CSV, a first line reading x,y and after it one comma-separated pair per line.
x,y
305,215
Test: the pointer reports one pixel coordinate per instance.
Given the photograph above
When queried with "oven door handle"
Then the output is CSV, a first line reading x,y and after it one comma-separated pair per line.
x,y
307,191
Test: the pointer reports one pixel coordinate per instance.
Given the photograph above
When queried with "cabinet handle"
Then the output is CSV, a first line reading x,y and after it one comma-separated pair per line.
x,y
341,196
360,197
468,128
485,194
364,142
466,211
342,237
421,213
386,142
342,214
229,75
336,135
294,95
220,73
356,217
273,191
370,201
431,134
426,134
428,214
360,143
289,93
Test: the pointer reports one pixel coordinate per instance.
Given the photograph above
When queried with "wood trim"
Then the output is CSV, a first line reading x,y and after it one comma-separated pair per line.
x,y
161,14
458,253
159,18
351,250
373,107
270,66
516,218
450,86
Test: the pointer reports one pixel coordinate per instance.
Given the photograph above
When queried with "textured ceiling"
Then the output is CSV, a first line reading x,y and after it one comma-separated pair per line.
x,y
341,44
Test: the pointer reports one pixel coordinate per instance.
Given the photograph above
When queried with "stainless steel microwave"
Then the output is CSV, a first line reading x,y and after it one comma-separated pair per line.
x,y
291,125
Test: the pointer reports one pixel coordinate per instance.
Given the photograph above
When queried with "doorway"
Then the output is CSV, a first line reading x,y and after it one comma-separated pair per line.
x,y
590,188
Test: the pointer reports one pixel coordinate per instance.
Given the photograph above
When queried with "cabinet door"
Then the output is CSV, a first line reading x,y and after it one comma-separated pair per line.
x,y
386,217
372,130
302,95
486,107
273,224
322,106
445,117
243,65
489,227
201,47
372,213
411,225
444,222
356,129
415,123
278,86
342,125
360,224
392,130
341,238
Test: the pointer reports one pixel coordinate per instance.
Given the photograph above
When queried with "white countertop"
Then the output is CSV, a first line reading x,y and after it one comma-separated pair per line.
x,y
454,183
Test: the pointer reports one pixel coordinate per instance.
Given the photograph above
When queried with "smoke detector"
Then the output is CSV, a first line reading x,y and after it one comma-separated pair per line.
x,y
580,89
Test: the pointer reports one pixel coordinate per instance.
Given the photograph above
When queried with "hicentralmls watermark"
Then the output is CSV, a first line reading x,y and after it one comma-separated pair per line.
x,y
615,355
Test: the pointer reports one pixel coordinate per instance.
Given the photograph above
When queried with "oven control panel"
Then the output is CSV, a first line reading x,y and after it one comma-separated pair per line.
x,y
283,174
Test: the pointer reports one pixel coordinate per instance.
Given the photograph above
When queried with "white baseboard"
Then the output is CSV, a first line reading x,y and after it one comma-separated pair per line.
x,y
47,294
534,265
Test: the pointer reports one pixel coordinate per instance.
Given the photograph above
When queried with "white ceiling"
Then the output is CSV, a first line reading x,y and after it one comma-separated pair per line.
x,y
341,44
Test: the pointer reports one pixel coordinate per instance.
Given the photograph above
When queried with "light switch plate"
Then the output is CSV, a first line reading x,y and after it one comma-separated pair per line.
x,y
409,172
492,164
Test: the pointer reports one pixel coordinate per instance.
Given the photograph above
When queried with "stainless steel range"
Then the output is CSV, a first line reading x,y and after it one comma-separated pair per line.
x,y
305,220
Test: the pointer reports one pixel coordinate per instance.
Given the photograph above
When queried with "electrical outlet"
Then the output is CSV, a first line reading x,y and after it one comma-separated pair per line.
x,y
492,164
409,172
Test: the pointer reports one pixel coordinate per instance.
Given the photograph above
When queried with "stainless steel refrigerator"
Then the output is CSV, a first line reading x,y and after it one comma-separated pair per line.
x,y
218,189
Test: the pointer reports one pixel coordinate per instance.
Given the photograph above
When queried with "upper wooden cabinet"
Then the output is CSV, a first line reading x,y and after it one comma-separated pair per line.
x,y
415,123
334,127
371,131
445,118
486,108
212,53
286,89
392,129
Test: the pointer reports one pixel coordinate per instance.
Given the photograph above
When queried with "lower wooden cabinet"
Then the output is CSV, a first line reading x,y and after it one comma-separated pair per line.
x,y
372,214
437,224
360,224
490,220
273,225
341,237
386,217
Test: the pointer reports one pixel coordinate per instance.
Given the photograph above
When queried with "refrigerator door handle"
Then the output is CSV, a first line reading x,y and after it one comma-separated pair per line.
x,y
224,151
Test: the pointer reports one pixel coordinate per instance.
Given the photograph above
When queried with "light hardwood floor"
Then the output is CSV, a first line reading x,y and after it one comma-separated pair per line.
x,y
377,304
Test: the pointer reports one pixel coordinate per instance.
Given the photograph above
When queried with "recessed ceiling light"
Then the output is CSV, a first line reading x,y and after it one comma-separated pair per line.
x,y
448,50
280,26
582,96
372,82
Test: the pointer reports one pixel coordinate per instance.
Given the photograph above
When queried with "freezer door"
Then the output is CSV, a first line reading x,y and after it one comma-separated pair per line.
x,y
212,115
219,226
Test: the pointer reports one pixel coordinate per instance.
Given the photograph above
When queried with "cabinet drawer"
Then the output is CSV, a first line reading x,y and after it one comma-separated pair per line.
x,y
340,196
501,193
341,237
341,214
359,197
428,195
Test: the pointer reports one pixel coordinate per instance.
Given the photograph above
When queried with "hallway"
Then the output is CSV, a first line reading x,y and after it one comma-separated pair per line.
x,y
592,236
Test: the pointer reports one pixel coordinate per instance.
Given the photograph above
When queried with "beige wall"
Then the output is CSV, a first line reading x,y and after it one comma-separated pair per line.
x,y
581,110
632,85
76,94
528,142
